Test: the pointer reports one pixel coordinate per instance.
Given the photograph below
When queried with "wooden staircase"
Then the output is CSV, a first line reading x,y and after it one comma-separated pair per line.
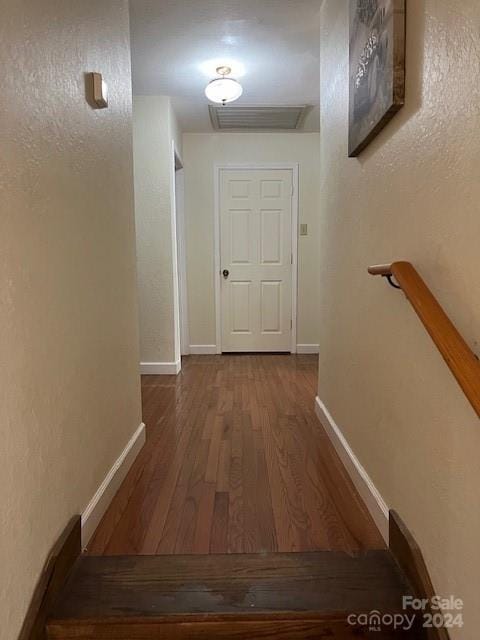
x,y
322,594
274,595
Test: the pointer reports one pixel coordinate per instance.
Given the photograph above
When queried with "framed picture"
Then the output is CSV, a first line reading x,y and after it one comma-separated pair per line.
x,y
377,68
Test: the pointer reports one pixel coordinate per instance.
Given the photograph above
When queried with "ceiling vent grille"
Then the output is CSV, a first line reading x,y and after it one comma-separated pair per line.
x,y
269,118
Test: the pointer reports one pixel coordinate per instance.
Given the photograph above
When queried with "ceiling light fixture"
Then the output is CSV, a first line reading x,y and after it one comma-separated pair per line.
x,y
222,90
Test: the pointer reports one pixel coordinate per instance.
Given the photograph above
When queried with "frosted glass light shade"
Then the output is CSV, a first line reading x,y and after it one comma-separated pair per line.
x,y
223,90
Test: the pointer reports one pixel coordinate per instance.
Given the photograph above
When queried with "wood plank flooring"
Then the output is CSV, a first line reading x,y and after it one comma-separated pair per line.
x,y
236,461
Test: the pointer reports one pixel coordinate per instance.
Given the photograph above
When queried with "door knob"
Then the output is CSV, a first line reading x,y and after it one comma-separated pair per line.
x,y
225,273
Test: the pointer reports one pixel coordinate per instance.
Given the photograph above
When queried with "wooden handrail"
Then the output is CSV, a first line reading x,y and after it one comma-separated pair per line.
x,y
463,363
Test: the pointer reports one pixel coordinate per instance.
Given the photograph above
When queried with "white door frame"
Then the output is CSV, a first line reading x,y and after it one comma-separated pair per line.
x,y
294,168
182,263
179,262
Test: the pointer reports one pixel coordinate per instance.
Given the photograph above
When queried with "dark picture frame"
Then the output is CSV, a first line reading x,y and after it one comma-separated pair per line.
x,y
376,68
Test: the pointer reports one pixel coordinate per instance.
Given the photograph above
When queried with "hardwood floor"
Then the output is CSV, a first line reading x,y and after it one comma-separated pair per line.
x,y
236,461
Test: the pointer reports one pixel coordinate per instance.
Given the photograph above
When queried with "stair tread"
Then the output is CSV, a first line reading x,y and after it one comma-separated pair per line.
x,y
323,583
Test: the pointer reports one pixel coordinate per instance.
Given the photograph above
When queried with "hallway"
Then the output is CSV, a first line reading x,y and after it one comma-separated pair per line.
x,y
235,462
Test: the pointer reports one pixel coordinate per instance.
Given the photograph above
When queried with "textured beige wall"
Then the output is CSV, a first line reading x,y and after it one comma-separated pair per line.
x,y
201,152
154,129
413,194
69,384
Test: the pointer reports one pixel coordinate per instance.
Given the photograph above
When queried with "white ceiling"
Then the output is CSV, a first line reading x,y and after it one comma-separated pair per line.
x,y
272,46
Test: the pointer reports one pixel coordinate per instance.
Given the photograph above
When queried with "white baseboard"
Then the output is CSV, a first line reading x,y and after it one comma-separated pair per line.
x,y
203,349
369,493
160,368
106,491
308,348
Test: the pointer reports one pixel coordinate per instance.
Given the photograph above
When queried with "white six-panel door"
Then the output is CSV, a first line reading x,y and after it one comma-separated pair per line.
x,y
256,259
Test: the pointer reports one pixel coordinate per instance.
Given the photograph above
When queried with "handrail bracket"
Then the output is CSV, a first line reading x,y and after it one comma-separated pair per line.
x,y
389,277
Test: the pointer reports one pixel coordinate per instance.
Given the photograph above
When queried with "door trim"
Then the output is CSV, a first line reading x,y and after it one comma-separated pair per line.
x,y
294,168
179,205
174,157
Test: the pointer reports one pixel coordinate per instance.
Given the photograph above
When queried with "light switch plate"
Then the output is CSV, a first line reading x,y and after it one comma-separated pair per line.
x,y
304,230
